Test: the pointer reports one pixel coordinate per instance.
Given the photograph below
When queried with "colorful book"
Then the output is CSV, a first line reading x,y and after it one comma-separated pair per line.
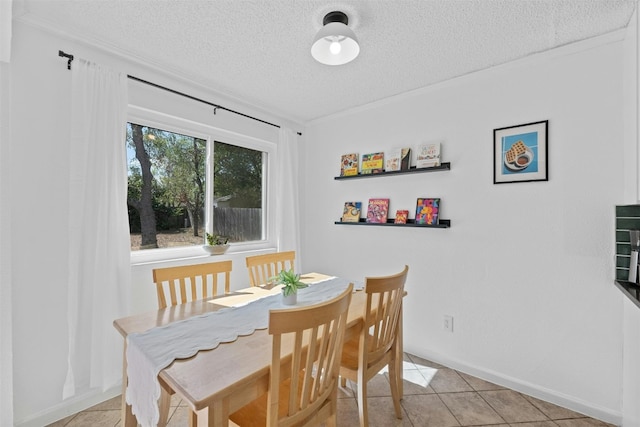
x,y
427,211
377,210
392,159
428,155
349,164
351,212
401,216
372,163
405,159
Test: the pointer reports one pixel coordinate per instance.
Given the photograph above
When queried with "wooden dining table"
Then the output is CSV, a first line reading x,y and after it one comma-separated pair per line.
x,y
215,383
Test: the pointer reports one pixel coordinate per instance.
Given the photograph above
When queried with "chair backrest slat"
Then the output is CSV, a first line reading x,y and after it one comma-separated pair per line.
x,y
383,308
177,285
263,267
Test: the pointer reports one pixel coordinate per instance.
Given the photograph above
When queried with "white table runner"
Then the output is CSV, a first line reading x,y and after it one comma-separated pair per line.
x,y
151,351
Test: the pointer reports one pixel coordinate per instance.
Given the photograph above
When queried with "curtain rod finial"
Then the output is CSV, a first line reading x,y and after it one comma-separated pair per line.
x,y
68,56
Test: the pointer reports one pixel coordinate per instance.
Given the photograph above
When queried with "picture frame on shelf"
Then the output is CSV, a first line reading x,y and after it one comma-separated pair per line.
x,y
520,153
427,211
351,212
349,164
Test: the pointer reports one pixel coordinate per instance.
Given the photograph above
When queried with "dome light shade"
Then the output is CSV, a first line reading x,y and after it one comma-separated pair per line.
x,y
335,43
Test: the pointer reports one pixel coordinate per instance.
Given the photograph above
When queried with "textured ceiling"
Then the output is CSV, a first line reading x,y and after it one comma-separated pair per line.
x,y
259,50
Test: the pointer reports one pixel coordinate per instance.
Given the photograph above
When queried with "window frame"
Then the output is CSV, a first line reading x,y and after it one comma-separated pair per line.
x,y
158,120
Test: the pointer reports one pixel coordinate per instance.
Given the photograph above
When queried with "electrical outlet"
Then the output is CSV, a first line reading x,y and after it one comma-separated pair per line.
x,y
448,323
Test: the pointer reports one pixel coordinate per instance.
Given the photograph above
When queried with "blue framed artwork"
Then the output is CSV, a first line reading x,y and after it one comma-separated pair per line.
x,y
520,153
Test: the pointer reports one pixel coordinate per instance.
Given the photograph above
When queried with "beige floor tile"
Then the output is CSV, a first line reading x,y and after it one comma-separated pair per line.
x,y
413,382
382,414
345,392
176,400
434,395
479,384
447,380
95,419
535,424
419,361
407,363
179,417
470,409
347,412
377,386
552,411
512,406
63,422
428,411
582,422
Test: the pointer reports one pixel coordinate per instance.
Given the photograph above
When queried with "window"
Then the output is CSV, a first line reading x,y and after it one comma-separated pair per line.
x,y
188,180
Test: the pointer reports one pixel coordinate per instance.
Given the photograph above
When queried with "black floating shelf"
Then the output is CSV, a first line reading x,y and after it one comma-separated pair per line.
x,y
443,167
443,223
630,289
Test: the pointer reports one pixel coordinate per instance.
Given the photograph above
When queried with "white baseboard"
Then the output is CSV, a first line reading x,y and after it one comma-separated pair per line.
x,y
534,390
68,407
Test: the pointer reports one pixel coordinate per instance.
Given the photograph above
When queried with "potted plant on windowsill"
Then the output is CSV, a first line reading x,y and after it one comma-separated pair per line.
x,y
292,283
216,244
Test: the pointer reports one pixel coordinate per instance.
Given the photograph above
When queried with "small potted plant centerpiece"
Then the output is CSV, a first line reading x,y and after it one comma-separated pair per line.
x,y
292,283
216,244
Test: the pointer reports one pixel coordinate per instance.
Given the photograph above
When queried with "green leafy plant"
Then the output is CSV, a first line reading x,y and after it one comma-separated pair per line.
x,y
290,280
216,240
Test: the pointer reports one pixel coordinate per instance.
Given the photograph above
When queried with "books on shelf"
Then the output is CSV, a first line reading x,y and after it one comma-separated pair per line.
x,y
401,216
351,212
377,210
372,163
392,159
428,155
405,159
427,210
349,164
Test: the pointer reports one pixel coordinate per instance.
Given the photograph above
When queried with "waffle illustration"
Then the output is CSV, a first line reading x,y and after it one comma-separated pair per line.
x,y
519,148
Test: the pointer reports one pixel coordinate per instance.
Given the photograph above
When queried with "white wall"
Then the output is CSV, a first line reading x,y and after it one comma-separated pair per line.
x,y
35,183
631,319
6,336
526,269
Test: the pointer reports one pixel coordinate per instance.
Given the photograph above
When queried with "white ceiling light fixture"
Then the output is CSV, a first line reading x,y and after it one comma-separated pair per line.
x,y
335,43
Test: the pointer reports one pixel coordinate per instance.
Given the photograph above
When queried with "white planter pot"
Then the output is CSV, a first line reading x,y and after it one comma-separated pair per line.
x,y
216,250
291,299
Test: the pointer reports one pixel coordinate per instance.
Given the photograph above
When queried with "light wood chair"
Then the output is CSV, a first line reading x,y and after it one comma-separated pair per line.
x,y
177,285
303,385
263,267
377,343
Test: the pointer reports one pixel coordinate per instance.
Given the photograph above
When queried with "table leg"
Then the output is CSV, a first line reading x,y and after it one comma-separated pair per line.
x,y
127,417
216,415
219,414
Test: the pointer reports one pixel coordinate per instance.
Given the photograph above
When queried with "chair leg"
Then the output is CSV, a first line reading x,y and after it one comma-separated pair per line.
x,y
362,400
332,421
164,404
394,380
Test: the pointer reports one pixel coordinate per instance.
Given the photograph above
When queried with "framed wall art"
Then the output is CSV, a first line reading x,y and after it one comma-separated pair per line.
x,y
520,153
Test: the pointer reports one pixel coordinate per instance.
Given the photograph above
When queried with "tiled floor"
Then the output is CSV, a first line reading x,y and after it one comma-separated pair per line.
x,y
434,396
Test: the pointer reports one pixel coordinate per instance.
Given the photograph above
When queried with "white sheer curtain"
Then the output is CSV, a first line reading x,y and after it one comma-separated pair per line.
x,y
5,30
99,248
287,198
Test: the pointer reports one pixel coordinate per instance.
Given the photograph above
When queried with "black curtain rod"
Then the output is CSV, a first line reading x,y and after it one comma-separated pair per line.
x,y
215,106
